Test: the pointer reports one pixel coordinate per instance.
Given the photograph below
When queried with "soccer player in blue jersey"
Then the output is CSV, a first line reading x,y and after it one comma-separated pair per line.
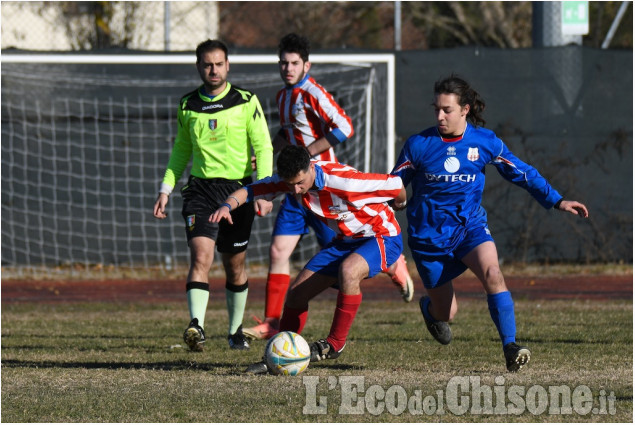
x,y
447,226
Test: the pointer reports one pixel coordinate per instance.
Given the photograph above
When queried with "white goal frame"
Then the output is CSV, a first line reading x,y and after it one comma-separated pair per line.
x,y
117,244
352,59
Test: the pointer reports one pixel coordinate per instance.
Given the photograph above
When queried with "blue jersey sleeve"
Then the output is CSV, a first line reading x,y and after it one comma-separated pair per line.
x,y
524,175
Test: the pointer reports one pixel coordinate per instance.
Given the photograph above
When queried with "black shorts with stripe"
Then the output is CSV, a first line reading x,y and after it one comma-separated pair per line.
x,y
201,197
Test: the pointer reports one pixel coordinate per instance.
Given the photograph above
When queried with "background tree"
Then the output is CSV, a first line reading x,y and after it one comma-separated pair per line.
x,y
366,25
425,25
601,16
327,24
94,25
454,24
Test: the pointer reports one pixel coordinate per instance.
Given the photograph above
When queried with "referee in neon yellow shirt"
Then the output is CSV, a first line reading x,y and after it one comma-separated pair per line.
x,y
220,126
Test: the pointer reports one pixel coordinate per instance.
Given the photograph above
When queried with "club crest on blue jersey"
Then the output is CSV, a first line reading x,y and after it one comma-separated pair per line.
x,y
472,154
213,124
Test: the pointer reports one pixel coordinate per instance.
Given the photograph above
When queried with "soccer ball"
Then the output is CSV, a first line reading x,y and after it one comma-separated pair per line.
x,y
287,353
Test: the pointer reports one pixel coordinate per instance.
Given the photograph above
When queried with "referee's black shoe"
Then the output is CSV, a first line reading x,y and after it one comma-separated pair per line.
x,y
238,341
439,329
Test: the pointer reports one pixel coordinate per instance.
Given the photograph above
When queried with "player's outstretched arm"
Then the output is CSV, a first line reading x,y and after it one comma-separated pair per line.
x,y
574,207
232,202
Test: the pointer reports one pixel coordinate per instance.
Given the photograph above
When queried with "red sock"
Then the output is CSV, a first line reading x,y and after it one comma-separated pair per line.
x,y
293,319
345,311
277,287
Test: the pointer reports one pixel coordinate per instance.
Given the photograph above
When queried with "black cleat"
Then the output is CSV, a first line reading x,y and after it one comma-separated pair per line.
x,y
238,341
439,329
516,356
259,368
194,336
322,350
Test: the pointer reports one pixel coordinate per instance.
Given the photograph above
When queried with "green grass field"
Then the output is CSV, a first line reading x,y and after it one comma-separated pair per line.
x,y
107,362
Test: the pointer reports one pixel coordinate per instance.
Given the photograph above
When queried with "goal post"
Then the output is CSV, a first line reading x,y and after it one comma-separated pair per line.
x,y
86,138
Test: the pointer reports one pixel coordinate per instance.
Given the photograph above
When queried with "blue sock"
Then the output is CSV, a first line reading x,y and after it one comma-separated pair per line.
x,y
426,312
501,308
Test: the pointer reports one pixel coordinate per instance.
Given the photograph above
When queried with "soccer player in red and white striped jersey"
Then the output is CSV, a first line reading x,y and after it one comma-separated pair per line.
x,y
368,237
308,113
351,203
310,117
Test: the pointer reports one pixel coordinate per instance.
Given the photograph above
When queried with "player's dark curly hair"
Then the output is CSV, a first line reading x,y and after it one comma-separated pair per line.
x,y
291,160
294,43
209,45
466,94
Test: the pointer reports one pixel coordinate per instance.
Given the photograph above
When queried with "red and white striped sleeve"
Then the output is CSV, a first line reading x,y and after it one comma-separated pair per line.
x,y
354,203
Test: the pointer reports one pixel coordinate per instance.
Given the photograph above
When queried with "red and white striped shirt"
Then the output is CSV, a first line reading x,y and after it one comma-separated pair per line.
x,y
308,112
352,203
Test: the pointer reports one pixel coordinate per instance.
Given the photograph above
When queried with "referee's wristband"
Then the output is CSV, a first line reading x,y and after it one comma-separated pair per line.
x,y
225,204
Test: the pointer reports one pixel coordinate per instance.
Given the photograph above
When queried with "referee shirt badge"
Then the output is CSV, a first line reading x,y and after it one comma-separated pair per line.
x,y
472,154
213,124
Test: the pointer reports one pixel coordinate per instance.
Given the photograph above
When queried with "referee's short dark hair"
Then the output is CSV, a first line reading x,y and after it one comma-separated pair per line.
x,y
291,160
209,45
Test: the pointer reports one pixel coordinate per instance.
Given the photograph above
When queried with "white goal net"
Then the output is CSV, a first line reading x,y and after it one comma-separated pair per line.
x,y
86,139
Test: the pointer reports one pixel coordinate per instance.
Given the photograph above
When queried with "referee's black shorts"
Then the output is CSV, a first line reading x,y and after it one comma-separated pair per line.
x,y
201,197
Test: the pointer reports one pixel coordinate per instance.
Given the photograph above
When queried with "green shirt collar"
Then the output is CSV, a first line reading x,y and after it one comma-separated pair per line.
x,y
203,94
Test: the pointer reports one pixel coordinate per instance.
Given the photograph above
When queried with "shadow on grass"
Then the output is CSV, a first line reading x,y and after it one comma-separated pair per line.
x,y
336,366
575,341
75,336
168,366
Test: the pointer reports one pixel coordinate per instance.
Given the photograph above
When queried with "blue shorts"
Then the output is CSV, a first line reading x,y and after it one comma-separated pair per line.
x,y
437,268
294,219
380,253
